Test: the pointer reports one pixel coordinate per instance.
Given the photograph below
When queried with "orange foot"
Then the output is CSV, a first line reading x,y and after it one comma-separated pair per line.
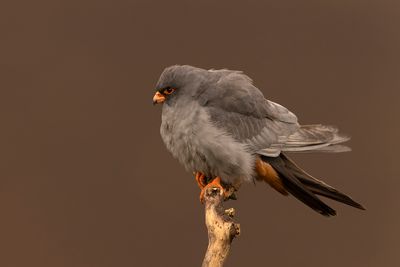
x,y
216,183
201,179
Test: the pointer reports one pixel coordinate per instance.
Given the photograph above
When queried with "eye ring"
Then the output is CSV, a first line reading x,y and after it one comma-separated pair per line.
x,y
168,90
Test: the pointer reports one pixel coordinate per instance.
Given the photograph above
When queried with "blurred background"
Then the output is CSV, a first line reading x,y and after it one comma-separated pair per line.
x,y
85,179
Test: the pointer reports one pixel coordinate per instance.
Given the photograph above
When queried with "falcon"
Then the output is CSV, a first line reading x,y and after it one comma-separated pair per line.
x,y
219,126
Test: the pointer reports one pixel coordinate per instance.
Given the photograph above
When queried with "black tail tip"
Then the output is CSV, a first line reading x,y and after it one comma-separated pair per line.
x,y
327,213
331,212
359,206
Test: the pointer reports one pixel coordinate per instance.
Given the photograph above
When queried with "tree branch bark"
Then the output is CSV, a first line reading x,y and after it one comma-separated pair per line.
x,y
221,228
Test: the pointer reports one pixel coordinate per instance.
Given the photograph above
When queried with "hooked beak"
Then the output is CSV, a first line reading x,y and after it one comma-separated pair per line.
x,y
158,98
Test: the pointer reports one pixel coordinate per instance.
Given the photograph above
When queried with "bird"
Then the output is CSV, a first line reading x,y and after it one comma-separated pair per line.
x,y
221,128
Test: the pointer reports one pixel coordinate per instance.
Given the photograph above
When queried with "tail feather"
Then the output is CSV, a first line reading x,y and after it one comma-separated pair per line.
x,y
305,187
297,189
319,187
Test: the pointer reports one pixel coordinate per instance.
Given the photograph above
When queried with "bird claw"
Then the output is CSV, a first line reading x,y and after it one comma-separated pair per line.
x,y
201,180
216,183
232,196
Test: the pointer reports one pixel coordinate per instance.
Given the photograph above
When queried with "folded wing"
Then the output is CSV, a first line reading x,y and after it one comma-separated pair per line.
x,y
240,109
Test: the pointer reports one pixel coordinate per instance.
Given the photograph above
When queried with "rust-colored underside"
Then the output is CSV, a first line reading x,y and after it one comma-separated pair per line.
x,y
265,172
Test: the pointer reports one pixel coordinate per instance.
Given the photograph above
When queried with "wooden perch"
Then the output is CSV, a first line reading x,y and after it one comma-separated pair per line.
x,y
221,228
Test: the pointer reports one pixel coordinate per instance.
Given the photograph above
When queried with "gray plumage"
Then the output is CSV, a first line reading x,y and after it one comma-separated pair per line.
x,y
217,122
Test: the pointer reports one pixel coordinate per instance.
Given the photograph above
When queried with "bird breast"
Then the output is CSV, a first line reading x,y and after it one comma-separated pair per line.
x,y
199,145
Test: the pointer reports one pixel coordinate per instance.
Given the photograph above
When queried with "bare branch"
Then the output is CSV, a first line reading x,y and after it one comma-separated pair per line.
x,y
221,228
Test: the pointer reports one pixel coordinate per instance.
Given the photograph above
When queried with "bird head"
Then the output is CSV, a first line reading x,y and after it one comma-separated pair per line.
x,y
178,81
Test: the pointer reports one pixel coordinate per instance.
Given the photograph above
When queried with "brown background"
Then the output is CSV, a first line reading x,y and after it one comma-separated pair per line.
x,y
86,181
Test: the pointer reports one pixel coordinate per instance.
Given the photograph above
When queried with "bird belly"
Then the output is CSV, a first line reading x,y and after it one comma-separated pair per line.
x,y
201,146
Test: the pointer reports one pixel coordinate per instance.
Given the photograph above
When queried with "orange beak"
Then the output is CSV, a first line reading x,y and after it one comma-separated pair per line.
x,y
158,98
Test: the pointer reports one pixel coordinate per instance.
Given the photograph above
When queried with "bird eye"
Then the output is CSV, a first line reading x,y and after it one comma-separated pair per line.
x,y
169,90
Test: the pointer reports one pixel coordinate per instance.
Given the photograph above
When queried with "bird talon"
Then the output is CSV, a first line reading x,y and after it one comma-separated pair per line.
x,y
215,185
201,179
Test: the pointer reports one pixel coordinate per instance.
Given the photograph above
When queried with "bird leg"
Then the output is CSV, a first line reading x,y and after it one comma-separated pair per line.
x,y
216,183
201,179
204,182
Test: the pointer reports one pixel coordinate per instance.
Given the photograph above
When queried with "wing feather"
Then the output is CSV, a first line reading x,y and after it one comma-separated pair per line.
x,y
240,109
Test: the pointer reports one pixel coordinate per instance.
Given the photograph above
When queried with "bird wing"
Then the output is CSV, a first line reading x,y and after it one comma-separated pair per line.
x,y
240,109
318,138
